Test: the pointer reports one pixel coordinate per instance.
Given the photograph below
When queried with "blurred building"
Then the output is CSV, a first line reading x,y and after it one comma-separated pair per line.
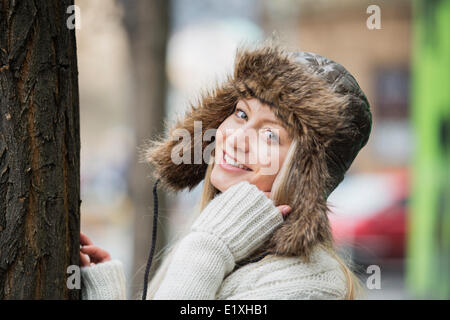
x,y
378,59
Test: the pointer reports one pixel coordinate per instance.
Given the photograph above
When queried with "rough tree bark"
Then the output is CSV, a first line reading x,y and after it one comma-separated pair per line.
x,y
147,24
39,150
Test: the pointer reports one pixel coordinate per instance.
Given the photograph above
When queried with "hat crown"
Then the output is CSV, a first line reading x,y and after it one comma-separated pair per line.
x,y
342,152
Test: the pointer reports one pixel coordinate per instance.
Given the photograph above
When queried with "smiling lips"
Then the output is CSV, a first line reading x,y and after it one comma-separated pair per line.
x,y
232,165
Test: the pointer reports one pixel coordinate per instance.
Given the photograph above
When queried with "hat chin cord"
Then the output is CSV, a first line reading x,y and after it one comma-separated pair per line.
x,y
152,249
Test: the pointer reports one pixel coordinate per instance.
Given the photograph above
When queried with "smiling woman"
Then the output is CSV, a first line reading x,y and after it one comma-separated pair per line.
x,y
248,143
289,125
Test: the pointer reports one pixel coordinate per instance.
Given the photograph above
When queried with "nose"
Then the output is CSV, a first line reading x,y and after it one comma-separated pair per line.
x,y
238,140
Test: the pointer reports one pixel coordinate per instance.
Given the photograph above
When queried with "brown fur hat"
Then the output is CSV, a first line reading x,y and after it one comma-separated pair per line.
x,y
319,103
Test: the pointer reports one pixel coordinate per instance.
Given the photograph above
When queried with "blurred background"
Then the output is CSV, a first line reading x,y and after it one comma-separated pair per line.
x,y
143,62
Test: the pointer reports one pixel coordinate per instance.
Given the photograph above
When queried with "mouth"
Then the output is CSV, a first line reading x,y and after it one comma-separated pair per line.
x,y
232,165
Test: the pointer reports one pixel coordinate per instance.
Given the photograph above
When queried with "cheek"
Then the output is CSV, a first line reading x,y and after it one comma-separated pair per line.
x,y
270,158
221,134
269,168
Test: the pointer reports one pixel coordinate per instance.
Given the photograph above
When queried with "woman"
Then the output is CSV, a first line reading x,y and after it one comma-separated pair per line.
x,y
263,230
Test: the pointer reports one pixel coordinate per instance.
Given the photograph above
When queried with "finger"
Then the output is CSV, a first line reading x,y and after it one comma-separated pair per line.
x,y
84,240
84,260
285,210
96,254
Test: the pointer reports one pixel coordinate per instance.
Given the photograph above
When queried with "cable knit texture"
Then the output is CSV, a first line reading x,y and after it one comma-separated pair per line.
x,y
229,229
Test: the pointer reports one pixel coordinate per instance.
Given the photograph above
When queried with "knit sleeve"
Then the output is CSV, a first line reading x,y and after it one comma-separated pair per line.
x,y
103,281
230,228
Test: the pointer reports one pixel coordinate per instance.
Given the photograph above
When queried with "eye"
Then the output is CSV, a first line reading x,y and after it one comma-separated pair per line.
x,y
241,114
271,135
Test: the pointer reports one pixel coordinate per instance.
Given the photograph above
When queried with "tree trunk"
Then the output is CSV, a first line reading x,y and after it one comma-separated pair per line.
x,y
39,150
147,26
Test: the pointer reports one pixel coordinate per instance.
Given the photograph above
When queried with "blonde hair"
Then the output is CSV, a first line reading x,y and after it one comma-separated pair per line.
x,y
279,197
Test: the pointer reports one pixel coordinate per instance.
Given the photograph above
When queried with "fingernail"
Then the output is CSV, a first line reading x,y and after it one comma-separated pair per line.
x,y
286,209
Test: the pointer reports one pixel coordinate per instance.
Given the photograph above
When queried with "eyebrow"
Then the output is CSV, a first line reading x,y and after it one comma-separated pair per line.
x,y
273,122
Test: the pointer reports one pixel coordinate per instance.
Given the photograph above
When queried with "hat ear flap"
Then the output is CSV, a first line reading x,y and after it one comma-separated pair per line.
x,y
307,224
178,157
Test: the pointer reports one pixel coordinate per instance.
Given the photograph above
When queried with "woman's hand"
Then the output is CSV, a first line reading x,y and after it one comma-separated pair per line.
x,y
228,216
91,254
284,209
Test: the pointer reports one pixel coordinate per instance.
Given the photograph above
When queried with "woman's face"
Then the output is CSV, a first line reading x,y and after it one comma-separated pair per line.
x,y
251,145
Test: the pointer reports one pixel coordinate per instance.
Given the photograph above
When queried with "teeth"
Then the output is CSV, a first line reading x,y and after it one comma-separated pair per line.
x,y
233,163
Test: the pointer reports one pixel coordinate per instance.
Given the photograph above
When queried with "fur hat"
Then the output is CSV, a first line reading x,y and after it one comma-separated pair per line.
x,y
318,101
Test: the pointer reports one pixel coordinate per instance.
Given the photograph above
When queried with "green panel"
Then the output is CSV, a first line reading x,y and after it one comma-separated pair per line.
x,y
428,257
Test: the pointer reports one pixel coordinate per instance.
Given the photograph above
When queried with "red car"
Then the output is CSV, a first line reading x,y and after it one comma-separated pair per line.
x,y
369,215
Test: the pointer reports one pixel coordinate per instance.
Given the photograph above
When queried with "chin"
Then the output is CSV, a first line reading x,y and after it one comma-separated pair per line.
x,y
222,180
218,180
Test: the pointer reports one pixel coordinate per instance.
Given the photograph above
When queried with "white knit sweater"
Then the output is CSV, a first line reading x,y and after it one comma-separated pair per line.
x,y
229,229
